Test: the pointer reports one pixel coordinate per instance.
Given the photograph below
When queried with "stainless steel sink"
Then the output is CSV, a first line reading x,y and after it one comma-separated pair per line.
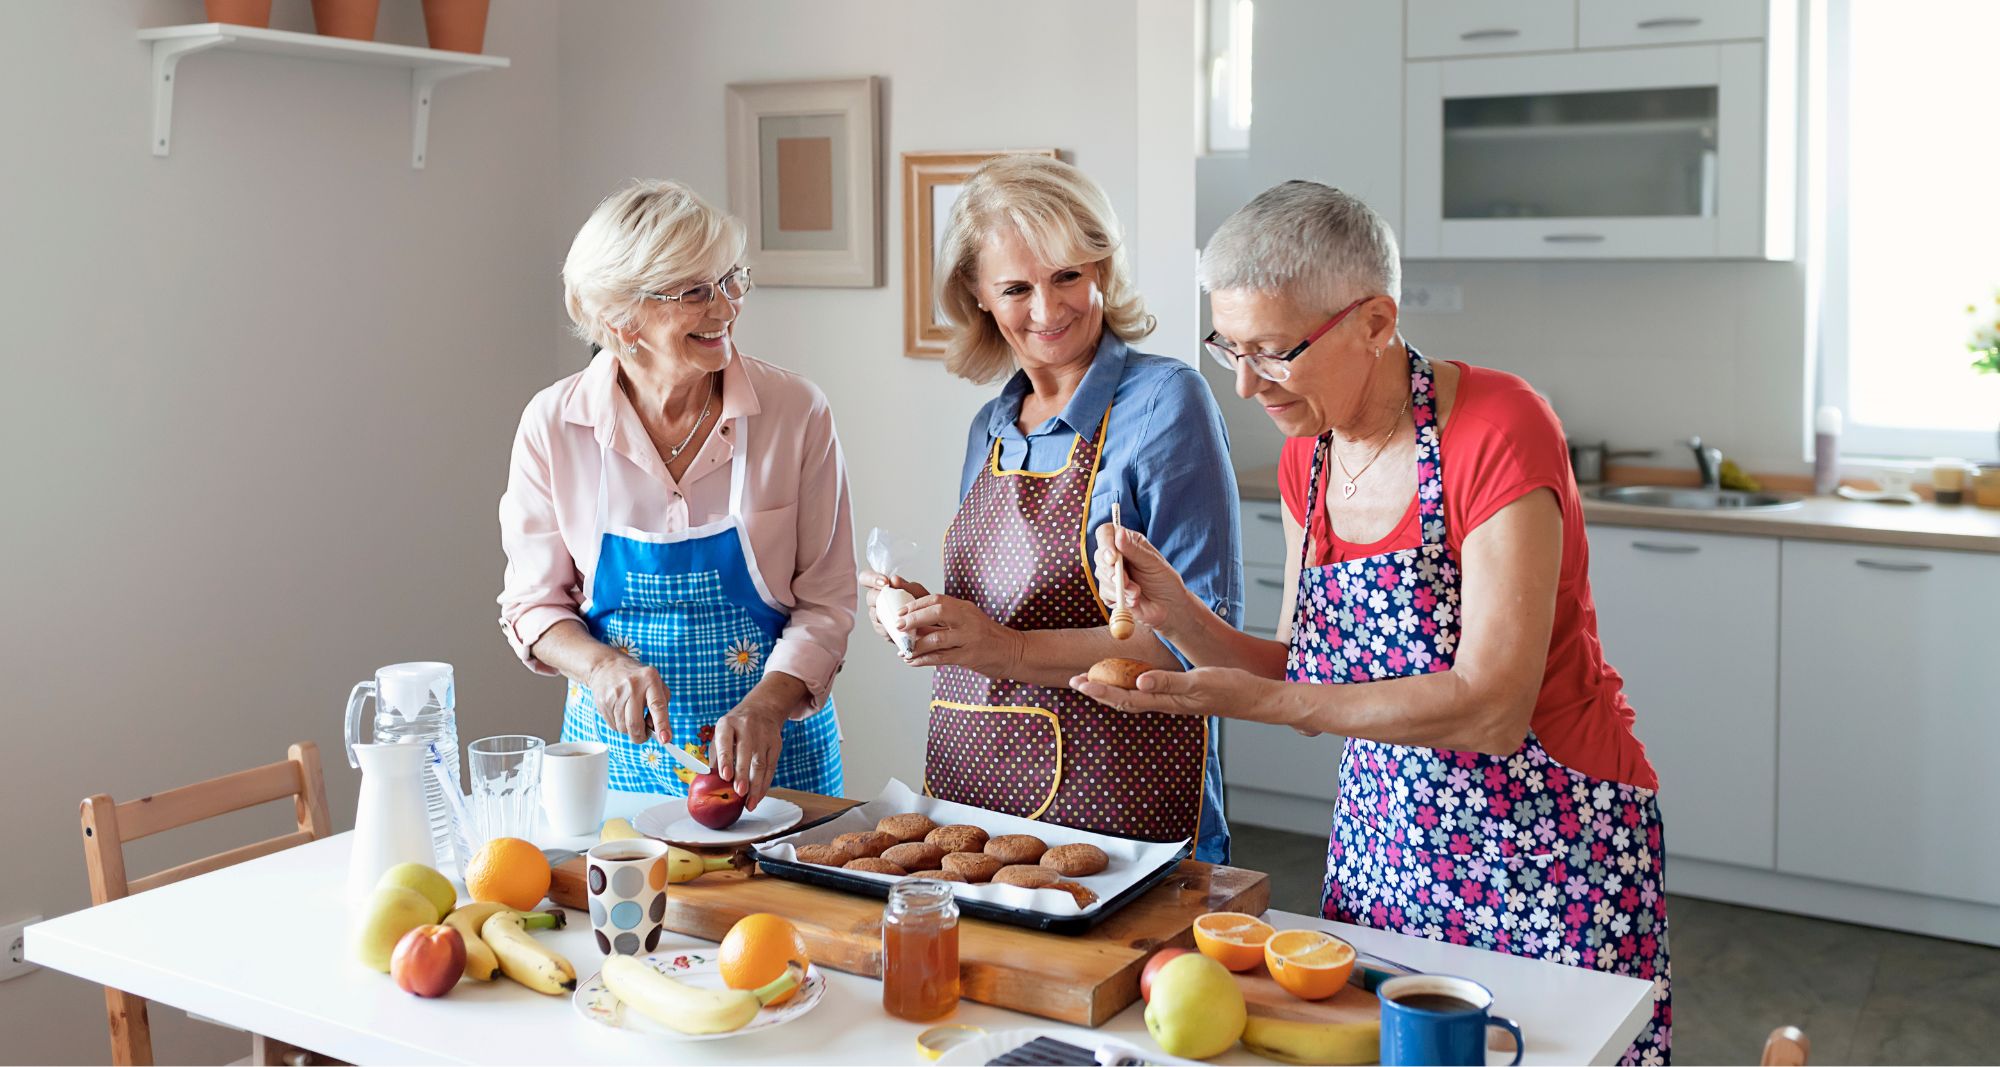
x,y
1688,499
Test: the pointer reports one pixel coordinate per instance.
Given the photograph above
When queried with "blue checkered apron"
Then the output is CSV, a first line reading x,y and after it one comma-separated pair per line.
x,y
691,605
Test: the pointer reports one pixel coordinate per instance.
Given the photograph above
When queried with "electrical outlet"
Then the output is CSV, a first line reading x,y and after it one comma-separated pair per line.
x,y
1433,299
14,934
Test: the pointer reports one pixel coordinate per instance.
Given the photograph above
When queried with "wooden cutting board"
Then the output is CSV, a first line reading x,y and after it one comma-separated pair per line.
x,y
1083,979
1262,995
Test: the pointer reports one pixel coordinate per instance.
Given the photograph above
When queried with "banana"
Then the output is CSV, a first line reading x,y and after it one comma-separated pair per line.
x,y
685,866
1298,1041
522,958
480,963
685,1008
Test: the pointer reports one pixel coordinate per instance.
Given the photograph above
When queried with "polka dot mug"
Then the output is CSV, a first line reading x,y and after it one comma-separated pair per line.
x,y
627,882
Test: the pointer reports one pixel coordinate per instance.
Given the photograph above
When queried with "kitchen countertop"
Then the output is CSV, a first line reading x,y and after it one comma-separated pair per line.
x,y
1962,527
263,946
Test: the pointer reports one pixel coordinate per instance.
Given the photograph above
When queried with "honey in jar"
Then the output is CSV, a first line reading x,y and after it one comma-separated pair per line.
x,y
920,950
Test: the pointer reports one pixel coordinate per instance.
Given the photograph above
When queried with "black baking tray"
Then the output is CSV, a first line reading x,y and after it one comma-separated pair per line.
x,y
850,882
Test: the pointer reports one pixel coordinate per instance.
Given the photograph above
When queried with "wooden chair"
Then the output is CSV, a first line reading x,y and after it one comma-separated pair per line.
x,y
107,825
1786,1047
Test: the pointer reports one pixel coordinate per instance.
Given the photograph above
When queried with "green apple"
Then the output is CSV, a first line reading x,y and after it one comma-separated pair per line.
x,y
1197,1008
434,886
391,912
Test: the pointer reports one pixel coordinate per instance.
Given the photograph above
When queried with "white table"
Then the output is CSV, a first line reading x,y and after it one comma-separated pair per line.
x,y
263,946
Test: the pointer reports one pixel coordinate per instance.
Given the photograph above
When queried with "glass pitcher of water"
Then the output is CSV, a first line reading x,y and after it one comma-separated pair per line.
x,y
414,704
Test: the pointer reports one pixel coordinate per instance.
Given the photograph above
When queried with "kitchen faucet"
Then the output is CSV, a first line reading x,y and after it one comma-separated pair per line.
x,y
1709,462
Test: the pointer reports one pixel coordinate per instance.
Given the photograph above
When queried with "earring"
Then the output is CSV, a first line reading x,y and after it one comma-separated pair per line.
x,y
633,350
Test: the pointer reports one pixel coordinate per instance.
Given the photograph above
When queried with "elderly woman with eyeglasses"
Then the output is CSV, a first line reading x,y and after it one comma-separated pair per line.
x,y
1438,616
1034,280
676,519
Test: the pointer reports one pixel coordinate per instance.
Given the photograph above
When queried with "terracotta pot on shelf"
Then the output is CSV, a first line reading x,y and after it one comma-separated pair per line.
x,y
239,12
456,25
346,18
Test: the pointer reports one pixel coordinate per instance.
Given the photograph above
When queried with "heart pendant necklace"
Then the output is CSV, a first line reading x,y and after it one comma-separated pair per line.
x,y
1347,487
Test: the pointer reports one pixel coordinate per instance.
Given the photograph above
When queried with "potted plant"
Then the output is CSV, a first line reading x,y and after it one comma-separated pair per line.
x,y
1985,343
346,18
239,12
456,25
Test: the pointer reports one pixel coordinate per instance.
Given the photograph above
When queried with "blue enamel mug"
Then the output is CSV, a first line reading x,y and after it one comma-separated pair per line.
x,y
1437,1019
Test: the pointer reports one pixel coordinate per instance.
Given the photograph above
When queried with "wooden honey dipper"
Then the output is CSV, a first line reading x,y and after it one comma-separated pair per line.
x,y
1121,616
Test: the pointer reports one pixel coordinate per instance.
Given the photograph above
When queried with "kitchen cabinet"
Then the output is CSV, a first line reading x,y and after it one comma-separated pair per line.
x,y
1638,23
1480,27
1889,720
1691,622
1263,566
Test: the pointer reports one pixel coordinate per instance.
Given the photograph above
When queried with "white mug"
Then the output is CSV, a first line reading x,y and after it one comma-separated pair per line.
x,y
576,778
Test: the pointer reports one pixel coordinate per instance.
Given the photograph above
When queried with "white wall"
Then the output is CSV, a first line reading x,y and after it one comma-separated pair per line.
x,y
256,400
642,94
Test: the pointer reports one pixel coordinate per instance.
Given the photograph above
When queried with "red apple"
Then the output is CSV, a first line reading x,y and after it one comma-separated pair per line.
x,y
1153,966
714,802
428,960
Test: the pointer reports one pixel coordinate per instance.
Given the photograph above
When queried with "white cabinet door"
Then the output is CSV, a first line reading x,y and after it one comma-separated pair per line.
x,y
1263,599
1623,23
1480,27
1278,759
1889,739
1691,622
1328,83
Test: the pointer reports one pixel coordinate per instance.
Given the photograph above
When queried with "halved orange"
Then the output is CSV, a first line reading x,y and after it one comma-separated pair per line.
x,y
1232,938
1309,964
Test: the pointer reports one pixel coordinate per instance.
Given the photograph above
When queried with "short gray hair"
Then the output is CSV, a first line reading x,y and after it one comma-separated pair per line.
x,y
1311,241
651,236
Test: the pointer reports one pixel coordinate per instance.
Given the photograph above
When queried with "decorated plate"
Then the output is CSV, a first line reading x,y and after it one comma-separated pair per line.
x,y
597,1003
671,822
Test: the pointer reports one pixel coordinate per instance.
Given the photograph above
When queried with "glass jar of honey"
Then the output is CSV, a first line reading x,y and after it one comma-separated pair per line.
x,y
920,950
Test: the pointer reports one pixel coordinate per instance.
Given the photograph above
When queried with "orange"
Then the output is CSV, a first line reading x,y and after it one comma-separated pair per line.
x,y
758,949
1309,964
1232,938
509,871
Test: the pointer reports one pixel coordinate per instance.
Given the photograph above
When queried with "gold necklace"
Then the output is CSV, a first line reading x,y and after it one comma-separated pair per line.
x,y
1347,487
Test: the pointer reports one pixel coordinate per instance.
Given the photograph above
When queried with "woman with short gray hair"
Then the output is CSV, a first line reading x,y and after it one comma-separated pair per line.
x,y
1437,615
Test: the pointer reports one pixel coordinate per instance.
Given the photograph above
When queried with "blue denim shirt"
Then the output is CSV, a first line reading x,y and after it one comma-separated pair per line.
x,y
1166,461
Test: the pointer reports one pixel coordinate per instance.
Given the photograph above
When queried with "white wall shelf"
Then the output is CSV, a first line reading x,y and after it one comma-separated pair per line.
x,y
427,67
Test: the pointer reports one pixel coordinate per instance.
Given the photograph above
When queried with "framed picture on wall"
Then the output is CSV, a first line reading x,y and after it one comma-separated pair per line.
x,y
805,179
931,181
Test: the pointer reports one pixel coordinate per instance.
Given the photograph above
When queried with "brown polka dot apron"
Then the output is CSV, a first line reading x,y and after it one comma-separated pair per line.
x,y
1019,550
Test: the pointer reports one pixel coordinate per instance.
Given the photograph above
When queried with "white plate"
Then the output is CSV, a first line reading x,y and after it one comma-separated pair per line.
x,y
670,822
600,1005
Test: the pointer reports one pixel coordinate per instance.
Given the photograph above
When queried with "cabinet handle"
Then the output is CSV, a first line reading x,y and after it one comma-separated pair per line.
x,y
1671,22
1269,516
1672,550
1270,583
1885,565
1495,34
1573,238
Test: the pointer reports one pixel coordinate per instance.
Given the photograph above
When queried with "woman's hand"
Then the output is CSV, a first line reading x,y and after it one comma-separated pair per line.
x,y
625,689
873,583
1154,591
953,631
746,746
1223,691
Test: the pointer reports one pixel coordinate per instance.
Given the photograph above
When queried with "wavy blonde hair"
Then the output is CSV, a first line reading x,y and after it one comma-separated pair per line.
x,y
652,236
1065,219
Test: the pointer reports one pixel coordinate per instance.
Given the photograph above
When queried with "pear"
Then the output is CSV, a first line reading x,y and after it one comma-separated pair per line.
x,y
1197,1009
391,912
434,886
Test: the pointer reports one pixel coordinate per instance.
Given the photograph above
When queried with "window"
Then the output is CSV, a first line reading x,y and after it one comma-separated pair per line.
x,y
1228,32
1912,230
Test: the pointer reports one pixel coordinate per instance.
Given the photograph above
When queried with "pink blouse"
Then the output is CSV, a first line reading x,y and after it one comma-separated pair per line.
x,y
795,506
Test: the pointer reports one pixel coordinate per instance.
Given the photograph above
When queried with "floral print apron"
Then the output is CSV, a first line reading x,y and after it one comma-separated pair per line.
x,y
1018,548
1517,854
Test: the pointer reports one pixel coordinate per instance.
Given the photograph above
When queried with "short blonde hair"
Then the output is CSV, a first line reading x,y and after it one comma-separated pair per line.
x,y
1066,220
652,236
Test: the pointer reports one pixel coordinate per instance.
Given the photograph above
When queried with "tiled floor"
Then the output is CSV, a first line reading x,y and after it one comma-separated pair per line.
x,y
1861,995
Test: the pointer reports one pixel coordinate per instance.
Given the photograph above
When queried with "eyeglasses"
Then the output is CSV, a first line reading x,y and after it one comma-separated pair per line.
x,y
1272,366
732,286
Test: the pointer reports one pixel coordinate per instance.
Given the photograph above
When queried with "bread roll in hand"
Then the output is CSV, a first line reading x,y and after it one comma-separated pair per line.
x,y
1123,673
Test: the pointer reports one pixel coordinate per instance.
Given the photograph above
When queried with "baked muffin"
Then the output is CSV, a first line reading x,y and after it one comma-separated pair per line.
x,y
1084,897
875,865
958,837
824,855
1076,861
865,843
972,866
907,827
1017,848
941,876
1026,875
914,855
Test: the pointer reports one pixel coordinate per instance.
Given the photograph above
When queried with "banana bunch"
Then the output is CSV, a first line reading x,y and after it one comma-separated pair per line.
x,y
688,1009
685,866
1299,1041
480,962
521,957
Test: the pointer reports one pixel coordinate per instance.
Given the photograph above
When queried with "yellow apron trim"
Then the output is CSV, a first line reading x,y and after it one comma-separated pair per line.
x,y
993,464
1055,725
